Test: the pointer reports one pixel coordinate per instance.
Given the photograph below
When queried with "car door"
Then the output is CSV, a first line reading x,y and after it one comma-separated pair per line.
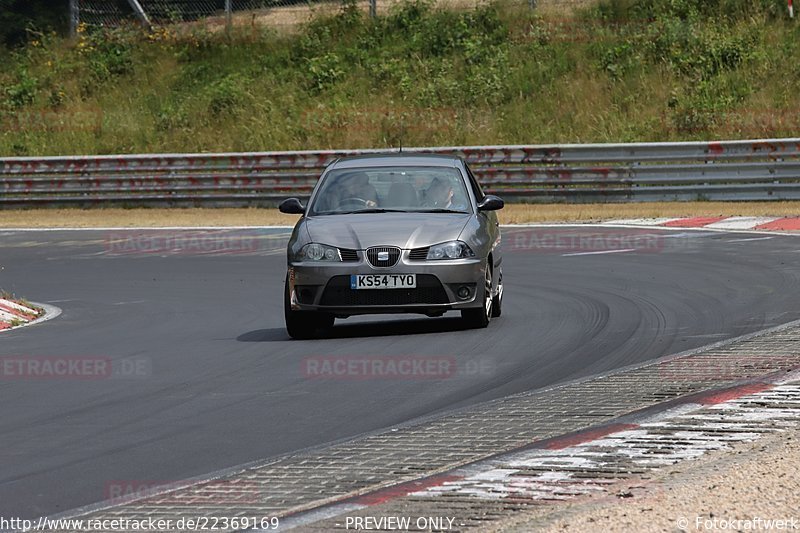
x,y
488,219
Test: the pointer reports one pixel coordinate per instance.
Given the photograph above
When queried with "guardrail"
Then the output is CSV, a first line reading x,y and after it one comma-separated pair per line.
x,y
728,170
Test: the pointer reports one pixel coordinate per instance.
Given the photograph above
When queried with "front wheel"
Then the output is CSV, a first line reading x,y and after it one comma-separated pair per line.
x,y
497,301
303,324
478,317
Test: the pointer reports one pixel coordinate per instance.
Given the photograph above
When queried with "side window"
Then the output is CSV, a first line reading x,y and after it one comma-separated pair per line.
x,y
476,187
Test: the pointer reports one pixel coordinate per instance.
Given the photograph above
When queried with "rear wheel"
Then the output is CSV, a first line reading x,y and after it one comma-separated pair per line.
x,y
303,324
478,317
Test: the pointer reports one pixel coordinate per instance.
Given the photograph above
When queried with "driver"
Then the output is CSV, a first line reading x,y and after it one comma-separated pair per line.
x,y
356,188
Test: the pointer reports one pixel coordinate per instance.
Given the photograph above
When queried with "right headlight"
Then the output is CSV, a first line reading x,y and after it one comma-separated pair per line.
x,y
318,252
450,250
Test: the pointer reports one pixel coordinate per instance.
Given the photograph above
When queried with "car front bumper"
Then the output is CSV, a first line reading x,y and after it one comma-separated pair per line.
x,y
325,287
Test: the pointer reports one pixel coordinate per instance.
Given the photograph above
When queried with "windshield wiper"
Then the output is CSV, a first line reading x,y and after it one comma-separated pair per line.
x,y
371,210
440,210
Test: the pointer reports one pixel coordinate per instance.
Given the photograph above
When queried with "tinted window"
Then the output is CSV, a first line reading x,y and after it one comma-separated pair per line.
x,y
476,187
392,188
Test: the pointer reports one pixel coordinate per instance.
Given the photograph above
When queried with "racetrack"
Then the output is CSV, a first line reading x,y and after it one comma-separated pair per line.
x,y
222,384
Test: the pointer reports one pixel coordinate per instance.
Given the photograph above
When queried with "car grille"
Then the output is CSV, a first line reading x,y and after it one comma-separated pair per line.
x,y
419,254
428,291
373,253
348,255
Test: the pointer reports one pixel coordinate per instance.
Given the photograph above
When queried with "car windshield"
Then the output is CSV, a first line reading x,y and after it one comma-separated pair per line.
x,y
388,189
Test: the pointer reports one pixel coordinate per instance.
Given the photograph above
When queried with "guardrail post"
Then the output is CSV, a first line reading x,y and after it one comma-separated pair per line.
x,y
373,8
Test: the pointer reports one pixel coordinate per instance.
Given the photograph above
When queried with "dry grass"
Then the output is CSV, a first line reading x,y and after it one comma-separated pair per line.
x,y
289,17
121,218
512,214
561,7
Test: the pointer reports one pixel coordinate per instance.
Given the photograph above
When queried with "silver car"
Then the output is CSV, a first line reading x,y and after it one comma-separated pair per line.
x,y
393,234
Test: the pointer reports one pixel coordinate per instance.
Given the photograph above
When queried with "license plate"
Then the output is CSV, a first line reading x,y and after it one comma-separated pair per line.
x,y
383,281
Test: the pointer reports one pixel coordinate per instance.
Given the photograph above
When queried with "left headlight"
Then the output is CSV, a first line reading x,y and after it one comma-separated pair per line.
x,y
450,250
318,252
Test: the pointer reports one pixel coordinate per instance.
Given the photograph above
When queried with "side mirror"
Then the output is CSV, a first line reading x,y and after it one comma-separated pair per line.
x,y
491,202
292,206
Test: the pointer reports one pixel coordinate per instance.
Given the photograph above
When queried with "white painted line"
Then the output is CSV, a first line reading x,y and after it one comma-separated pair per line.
x,y
685,234
741,222
643,221
753,239
700,229
600,252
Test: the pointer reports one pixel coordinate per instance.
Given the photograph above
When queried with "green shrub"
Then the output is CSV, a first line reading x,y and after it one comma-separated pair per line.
x,y
324,71
226,95
22,92
108,52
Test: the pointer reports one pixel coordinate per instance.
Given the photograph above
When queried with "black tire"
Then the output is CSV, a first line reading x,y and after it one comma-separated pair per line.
x,y
497,301
304,324
478,317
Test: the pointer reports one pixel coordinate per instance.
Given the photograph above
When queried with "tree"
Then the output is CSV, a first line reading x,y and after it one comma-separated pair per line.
x,y
18,16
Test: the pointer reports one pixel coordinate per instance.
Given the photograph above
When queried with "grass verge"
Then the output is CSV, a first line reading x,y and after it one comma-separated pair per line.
x,y
419,75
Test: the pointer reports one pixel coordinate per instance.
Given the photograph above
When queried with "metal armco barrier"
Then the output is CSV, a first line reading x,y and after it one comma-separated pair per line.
x,y
727,170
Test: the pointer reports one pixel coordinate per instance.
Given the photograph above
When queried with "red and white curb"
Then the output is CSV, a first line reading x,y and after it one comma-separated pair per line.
x,y
592,461
722,223
562,469
15,315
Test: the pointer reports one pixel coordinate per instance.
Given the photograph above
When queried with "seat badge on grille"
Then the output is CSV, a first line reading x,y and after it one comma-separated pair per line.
x,y
383,256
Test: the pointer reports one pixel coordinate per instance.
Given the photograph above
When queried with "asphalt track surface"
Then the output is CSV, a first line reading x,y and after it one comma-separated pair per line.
x,y
220,384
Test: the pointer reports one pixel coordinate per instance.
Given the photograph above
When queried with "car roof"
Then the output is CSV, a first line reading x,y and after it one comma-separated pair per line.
x,y
396,159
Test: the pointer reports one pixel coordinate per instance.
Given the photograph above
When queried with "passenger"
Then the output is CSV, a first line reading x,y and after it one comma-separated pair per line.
x,y
439,195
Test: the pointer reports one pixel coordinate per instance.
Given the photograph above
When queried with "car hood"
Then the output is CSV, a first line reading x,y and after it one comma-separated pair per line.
x,y
404,230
